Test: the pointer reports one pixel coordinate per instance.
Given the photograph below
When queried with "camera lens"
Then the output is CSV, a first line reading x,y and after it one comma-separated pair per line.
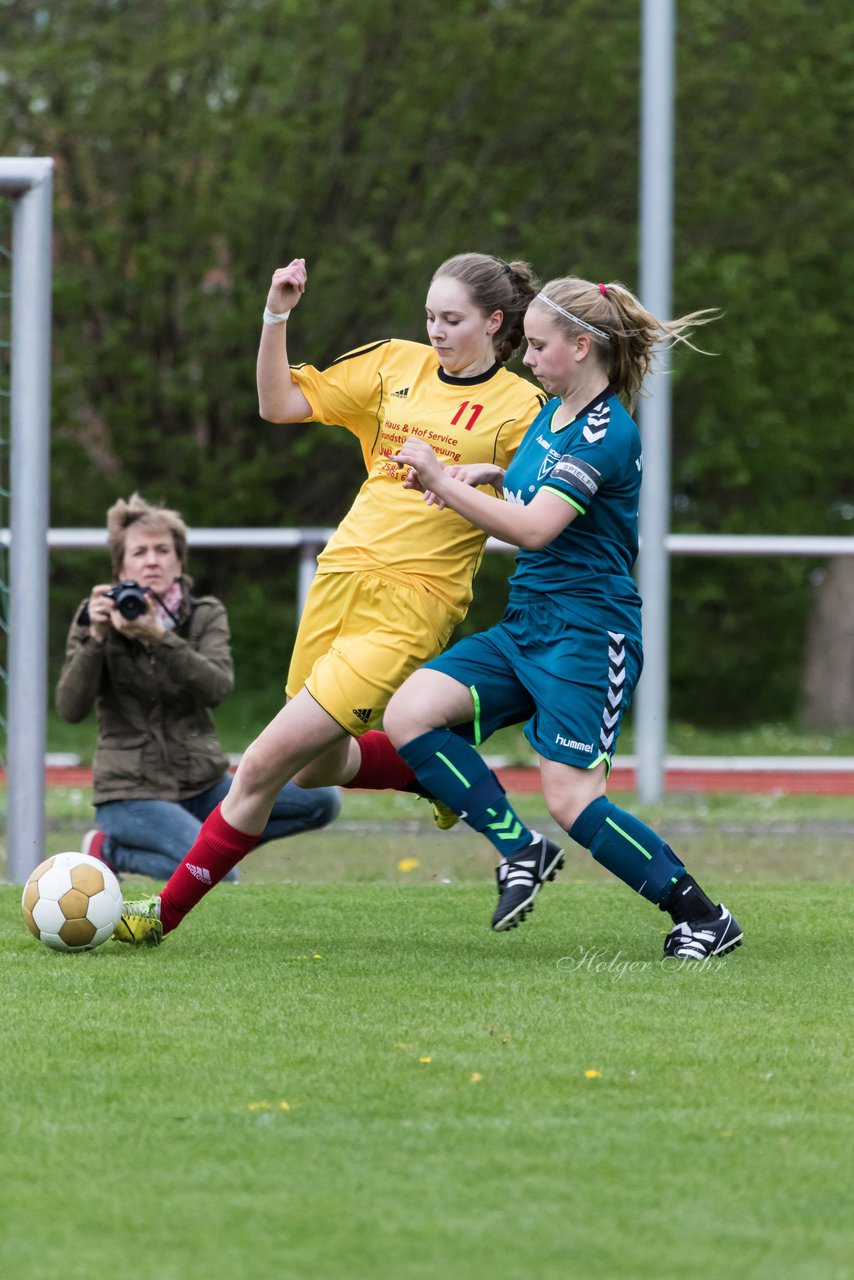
x,y
130,606
130,599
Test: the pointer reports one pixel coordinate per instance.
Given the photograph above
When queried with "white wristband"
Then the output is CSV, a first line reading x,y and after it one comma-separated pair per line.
x,y
275,317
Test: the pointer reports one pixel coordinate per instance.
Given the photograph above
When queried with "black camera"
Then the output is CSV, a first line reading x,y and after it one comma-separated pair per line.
x,y
129,599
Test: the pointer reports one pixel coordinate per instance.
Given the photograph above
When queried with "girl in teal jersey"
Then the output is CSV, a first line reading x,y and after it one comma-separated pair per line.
x,y
567,654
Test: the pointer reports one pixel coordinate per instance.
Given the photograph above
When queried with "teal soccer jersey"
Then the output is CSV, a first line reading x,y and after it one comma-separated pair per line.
x,y
567,655
594,462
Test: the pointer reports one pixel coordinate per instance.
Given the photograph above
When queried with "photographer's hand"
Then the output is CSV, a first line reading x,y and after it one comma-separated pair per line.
x,y
147,627
100,612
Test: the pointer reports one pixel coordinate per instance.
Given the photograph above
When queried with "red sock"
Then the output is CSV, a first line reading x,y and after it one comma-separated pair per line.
x,y
218,848
381,768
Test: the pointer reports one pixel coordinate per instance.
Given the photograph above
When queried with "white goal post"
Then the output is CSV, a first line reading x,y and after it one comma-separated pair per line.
x,y
28,184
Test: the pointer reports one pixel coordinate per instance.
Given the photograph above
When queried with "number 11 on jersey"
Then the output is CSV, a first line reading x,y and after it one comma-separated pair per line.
x,y
476,411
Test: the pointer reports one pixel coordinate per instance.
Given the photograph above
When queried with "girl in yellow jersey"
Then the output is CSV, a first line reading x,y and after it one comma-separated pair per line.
x,y
396,578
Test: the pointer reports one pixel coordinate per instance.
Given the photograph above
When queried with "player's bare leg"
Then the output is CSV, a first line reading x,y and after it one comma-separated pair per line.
x,y
370,762
301,730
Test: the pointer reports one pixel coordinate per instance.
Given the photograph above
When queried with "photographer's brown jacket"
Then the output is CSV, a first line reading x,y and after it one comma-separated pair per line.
x,y
156,735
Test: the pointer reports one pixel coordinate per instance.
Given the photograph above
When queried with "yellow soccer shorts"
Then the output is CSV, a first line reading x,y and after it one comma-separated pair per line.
x,y
360,635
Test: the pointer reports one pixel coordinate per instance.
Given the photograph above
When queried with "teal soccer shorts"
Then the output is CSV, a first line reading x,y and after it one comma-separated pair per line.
x,y
571,682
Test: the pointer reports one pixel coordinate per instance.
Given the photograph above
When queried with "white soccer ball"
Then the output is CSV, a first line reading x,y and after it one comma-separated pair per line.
x,y
72,902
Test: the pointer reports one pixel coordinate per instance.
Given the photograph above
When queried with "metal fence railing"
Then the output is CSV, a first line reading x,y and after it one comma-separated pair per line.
x,y
308,542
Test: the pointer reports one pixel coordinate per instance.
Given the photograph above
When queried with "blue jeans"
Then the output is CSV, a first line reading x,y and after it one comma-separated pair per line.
x,y
151,837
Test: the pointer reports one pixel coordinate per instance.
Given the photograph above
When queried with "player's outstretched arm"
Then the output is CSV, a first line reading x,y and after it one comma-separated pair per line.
x,y
530,526
279,397
471,473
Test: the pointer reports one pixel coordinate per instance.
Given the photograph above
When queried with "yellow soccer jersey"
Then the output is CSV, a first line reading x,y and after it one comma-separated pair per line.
x,y
382,393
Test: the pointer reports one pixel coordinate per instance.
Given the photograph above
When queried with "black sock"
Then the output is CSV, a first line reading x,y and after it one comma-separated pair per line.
x,y
686,901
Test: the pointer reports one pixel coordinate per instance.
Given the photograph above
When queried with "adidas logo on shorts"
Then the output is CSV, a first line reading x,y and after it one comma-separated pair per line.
x,y
364,715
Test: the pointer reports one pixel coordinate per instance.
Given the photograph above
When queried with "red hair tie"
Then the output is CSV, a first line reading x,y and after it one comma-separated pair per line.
x,y
602,290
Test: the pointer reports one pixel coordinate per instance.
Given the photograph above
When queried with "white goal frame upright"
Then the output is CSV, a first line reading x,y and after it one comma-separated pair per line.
x,y
29,185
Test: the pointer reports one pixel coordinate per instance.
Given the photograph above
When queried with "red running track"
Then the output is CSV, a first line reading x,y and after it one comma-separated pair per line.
x,y
729,776
779,776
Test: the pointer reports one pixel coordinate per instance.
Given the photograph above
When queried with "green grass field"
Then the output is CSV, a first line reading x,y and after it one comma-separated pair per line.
x,y
242,717
335,1069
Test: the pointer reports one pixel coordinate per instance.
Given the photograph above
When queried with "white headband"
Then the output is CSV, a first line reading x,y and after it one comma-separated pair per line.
x,y
591,328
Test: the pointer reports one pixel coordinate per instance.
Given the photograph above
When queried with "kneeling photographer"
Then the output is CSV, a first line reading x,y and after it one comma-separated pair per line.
x,y
153,659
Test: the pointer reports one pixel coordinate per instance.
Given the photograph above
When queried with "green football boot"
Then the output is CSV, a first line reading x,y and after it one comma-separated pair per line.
x,y
140,923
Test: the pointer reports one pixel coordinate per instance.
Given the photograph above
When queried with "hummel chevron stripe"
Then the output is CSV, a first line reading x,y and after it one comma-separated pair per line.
x,y
501,828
